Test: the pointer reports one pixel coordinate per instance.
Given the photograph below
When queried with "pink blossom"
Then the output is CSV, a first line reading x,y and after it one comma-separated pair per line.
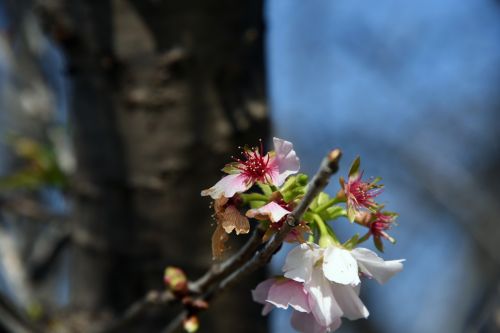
x,y
276,212
271,211
380,224
306,323
281,293
360,194
272,168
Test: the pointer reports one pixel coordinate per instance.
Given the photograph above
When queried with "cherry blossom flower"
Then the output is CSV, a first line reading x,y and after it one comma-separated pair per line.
x,y
281,292
284,293
271,168
331,278
359,194
380,223
377,223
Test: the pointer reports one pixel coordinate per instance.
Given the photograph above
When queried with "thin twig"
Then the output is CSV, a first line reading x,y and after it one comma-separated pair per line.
x,y
141,308
328,167
176,323
219,271
216,273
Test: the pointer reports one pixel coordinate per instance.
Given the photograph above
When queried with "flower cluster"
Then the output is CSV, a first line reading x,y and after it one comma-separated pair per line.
x,y
362,208
322,276
322,285
269,171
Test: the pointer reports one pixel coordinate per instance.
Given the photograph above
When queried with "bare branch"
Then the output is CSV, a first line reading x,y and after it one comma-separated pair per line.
x,y
217,272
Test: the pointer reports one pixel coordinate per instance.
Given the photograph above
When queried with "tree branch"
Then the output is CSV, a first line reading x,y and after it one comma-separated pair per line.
x,y
217,272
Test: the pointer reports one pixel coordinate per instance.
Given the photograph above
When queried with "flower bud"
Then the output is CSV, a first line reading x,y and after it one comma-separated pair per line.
x,y
175,279
191,324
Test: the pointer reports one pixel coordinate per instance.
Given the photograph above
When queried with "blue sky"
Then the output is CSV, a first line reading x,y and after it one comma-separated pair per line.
x,y
396,82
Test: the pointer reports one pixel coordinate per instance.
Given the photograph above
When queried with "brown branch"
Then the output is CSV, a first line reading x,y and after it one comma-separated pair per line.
x,y
217,272
328,167
221,270
141,308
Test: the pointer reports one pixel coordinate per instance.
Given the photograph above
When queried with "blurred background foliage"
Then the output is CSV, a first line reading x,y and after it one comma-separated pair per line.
x,y
410,86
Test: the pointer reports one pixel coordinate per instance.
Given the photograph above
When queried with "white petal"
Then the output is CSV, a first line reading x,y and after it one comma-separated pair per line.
x,y
349,302
340,266
374,266
300,261
274,211
289,293
306,323
228,186
286,159
324,307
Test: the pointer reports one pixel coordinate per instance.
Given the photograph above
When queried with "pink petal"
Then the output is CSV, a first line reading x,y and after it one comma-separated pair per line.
x,y
289,292
274,211
259,295
266,309
349,302
286,161
306,323
374,266
228,186
340,266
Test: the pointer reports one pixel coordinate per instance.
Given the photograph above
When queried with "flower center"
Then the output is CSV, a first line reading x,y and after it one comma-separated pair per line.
x,y
254,164
381,223
378,226
362,193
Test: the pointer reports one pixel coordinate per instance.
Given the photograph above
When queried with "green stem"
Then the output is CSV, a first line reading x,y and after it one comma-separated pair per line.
x,y
254,197
265,188
364,238
327,204
325,231
288,184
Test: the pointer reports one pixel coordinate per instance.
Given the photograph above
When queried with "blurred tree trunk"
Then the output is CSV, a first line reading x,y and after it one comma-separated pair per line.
x,y
161,92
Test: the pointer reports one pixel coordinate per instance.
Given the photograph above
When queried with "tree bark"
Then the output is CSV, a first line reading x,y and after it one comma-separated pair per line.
x,y
161,91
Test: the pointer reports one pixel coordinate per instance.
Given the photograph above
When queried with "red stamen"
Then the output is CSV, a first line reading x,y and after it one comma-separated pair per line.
x,y
254,164
361,194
